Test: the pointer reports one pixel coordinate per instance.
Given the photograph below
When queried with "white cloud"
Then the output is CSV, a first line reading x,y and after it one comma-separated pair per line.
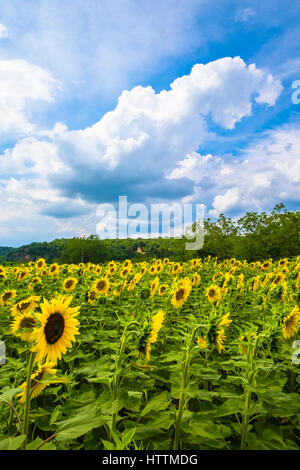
x,y
133,148
225,202
21,83
3,31
244,14
266,172
166,126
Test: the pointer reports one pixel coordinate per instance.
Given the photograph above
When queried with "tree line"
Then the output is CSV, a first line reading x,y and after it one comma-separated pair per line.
x,y
253,237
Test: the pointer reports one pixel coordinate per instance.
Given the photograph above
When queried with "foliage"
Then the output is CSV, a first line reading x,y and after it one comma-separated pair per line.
x,y
210,369
85,250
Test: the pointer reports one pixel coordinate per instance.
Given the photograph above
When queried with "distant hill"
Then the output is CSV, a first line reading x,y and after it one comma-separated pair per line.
x,y
4,252
48,250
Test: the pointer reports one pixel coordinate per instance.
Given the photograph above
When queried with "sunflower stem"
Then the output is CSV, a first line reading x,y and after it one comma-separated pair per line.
x,y
248,395
184,382
116,378
27,398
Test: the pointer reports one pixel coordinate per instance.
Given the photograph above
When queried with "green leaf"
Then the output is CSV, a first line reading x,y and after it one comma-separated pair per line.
x,y
12,443
157,403
75,427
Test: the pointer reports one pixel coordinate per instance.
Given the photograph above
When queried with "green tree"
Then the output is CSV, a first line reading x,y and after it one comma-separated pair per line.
x,y
89,249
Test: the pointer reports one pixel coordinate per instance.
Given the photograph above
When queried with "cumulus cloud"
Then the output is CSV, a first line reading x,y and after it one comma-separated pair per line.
x,y
136,144
264,174
132,149
21,83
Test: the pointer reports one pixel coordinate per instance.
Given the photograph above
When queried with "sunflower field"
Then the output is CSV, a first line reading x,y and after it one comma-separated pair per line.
x,y
155,355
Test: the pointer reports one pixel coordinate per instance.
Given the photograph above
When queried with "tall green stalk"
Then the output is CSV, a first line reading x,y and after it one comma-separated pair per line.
x,y
184,383
27,398
116,377
248,395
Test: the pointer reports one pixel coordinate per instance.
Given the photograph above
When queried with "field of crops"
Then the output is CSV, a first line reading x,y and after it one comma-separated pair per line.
x,y
156,356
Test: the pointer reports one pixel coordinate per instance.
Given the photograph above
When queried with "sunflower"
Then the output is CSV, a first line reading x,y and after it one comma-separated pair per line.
x,y
265,266
196,279
69,284
283,263
92,296
101,285
202,341
298,280
54,269
213,293
181,293
278,279
124,272
225,321
255,283
216,334
127,264
290,323
153,286
221,337
6,297
240,282
159,268
194,263
23,322
40,264
217,275
152,269
112,269
157,322
162,289
25,305
23,274
134,281
176,268
267,278
59,326
143,270
38,383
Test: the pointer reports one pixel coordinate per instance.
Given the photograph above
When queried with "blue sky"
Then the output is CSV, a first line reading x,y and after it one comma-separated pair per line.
x,y
162,101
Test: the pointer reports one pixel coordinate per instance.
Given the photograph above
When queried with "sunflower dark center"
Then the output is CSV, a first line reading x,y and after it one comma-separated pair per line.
x,y
54,328
211,293
101,285
6,296
27,323
24,305
69,284
180,294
